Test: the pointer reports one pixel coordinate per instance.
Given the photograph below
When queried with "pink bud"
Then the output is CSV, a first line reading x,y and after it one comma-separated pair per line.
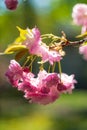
x,y
11,4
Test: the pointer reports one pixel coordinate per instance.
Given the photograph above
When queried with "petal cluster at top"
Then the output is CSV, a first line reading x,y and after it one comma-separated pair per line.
x,y
31,38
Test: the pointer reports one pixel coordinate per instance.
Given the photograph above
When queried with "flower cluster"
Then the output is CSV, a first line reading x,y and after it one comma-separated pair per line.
x,y
35,46
47,85
43,89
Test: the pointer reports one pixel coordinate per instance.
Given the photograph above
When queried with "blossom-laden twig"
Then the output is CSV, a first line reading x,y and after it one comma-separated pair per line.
x,y
47,86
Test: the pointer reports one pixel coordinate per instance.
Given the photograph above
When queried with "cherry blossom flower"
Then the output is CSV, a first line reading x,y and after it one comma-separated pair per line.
x,y
43,88
14,72
79,15
32,40
47,55
83,50
67,83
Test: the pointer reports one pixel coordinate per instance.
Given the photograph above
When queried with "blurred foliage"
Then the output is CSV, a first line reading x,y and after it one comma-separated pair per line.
x,y
67,113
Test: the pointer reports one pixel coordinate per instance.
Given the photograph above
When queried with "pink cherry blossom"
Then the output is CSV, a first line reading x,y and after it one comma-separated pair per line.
x,y
79,15
32,39
54,56
83,50
37,47
67,83
14,72
44,88
48,55
41,89
47,87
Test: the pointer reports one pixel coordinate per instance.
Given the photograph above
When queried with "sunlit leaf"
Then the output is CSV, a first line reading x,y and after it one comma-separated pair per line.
x,y
13,48
18,41
22,33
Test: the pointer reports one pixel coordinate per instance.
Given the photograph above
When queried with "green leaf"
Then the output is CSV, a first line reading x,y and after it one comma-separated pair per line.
x,y
13,48
22,33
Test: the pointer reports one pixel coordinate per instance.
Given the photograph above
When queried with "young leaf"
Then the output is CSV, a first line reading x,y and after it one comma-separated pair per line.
x,y
22,33
13,48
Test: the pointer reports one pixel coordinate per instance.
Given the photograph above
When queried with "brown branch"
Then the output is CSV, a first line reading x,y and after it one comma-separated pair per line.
x,y
73,43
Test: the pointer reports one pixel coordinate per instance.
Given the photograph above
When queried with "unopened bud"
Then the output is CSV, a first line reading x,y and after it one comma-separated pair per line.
x,y
11,4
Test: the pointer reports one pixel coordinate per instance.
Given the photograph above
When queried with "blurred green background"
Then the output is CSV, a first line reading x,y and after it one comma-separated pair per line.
x,y
70,111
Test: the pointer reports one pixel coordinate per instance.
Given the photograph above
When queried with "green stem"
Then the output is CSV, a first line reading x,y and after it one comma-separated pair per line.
x,y
60,69
49,68
28,58
33,58
53,67
44,36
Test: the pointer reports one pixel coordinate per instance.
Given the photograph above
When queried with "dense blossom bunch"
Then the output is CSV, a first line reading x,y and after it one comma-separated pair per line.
x,y
44,88
47,85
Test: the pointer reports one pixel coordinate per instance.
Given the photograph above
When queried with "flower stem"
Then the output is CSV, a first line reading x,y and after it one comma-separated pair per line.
x,y
28,58
60,69
53,67
49,68
33,58
54,37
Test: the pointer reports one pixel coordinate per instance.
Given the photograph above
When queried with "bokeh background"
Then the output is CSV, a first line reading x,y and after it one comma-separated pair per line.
x,y
70,111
